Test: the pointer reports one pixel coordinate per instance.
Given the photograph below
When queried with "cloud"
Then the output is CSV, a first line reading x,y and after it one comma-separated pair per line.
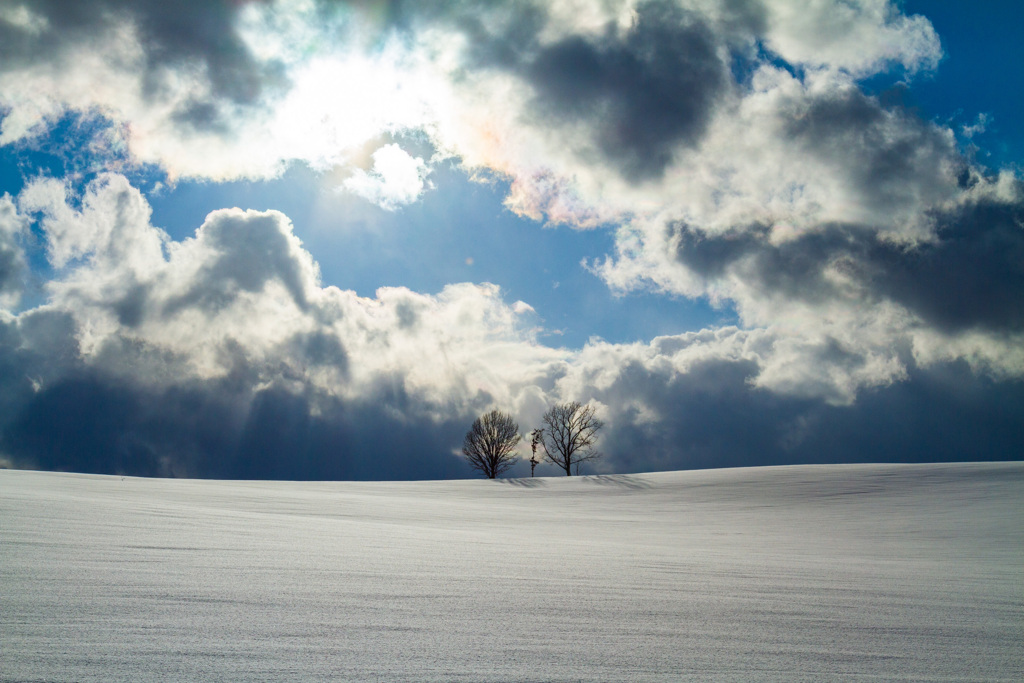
x,y
13,268
600,112
161,357
190,62
244,281
397,178
854,232
889,166
237,90
639,92
218,89
711,416
859,37
211,429
966,277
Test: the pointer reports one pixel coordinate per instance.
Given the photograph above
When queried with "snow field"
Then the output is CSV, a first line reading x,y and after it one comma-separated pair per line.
x,y
808,573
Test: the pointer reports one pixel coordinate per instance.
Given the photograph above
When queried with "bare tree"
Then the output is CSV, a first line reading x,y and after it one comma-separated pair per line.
x,y
570,435
491,442
536,439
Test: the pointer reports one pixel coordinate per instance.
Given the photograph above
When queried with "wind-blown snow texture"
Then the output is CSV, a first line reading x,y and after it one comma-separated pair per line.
x,y
887,572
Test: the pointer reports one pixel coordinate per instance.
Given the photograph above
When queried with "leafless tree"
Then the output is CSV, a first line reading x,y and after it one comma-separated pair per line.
x,y
570,434
491,442
536,439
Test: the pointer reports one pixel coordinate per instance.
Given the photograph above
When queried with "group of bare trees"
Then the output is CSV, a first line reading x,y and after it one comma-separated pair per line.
x,y
567,439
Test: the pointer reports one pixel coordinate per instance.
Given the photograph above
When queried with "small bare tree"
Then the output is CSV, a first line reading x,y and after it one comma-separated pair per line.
x,y
491,442
536,439
570,435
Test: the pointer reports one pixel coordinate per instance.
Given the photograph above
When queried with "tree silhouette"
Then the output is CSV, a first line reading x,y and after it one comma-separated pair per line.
x,y
536,439
570,435
491,442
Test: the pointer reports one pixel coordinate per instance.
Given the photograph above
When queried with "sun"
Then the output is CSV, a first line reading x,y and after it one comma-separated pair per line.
x,y
338,104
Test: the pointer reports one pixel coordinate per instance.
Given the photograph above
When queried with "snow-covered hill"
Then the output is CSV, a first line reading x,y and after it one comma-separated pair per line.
x,y
860,572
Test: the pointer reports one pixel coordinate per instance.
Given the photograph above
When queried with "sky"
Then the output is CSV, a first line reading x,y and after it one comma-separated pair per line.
x,y
309,239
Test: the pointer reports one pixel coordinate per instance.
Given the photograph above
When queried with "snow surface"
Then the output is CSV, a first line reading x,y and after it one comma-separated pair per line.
x,y
809,573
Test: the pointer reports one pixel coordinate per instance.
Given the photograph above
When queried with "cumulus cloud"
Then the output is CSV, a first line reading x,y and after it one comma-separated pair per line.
x,y
858,37
12,258
711,416
608,111
638,92
888,244
245,283
188,63
396,179
222,355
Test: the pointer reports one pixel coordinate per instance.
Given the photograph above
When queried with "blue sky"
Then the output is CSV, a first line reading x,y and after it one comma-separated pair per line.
x,y
978,76
756,233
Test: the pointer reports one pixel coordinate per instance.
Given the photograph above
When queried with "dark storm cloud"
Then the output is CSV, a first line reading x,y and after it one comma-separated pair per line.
x,y
58,413
131,308
743,17
642,91
91,423
173,35
320,348
12,266
970,276
712,417
34,349
709,416
248,250
887,155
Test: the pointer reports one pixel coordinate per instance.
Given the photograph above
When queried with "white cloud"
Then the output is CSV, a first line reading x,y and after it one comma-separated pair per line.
x,y
396,179
12,257
23,18
245,287
859,37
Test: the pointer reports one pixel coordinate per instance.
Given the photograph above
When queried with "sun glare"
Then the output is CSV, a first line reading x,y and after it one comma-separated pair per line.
x,y
339,103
